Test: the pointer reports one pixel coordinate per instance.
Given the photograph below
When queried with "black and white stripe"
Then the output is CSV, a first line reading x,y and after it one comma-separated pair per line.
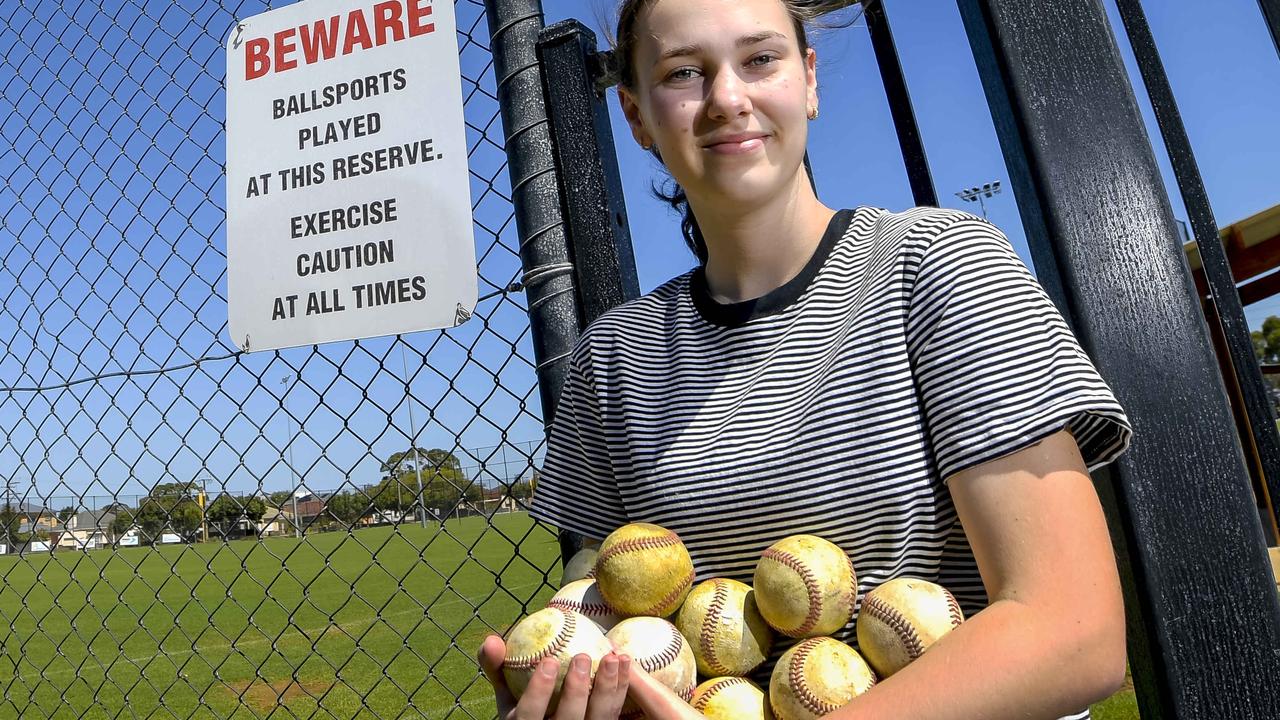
x,y
912,346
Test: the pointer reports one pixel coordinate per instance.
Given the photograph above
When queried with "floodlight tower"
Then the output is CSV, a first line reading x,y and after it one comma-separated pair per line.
x,y
975,194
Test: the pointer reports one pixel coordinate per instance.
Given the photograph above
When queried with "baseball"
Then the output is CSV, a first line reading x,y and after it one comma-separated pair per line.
x,y
721,621
643,569
731,698
660,650
816,677
582,565
805,586
900,620
550,632
583,597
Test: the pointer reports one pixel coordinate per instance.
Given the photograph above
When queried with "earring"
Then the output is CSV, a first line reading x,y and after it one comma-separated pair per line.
x,y
813,113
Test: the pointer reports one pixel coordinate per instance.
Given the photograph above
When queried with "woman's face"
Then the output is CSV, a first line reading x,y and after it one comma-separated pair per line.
x,y
722,89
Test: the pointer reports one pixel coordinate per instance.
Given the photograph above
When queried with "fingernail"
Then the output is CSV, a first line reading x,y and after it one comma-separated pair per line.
x,y
610,665
581,664
549,667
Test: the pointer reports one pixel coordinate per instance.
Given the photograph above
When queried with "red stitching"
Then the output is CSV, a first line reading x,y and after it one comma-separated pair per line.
x,y
810,584
795,674
578,606
957,615
714,688
556,645
644,543
706,638
882,611
674,595
654,663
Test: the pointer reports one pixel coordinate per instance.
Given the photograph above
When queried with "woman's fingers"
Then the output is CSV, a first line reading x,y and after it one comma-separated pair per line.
x,y
609,691
576,690
492,652
533,703
657,700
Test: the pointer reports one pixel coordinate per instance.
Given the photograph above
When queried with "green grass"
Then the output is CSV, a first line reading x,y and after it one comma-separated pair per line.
x,y
383,619
336,626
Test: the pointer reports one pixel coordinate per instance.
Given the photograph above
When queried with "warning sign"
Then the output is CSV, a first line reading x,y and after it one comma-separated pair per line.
x,y
348,197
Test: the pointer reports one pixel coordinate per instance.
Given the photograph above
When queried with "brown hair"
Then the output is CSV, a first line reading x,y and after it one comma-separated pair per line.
x,y
802,12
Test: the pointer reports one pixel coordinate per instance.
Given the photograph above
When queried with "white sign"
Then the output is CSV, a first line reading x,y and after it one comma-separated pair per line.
x,y
348,195
169,538
4,549
130,540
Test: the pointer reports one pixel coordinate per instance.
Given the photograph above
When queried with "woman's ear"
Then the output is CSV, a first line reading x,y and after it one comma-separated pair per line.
x,y
811,77
631,111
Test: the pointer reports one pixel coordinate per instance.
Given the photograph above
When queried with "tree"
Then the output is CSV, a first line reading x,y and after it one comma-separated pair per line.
x,y
279,498
121,523
66,514
522,490
444,484
169,506
225,512
347,508
10,521
1266,347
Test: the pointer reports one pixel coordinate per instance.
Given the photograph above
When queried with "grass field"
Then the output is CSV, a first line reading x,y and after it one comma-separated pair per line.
x,y
277,629
378,623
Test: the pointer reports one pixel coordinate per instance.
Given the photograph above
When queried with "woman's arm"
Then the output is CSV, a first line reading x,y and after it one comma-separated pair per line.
x,y
1052,640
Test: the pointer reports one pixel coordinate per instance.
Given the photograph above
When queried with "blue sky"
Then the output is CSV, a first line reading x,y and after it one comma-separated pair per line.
x,y
112,237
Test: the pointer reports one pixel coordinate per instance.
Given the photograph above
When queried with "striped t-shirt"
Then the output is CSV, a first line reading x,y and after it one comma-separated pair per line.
x,y
911,346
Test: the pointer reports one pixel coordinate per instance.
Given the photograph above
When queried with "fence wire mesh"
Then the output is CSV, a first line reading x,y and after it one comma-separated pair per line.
x,y
194,532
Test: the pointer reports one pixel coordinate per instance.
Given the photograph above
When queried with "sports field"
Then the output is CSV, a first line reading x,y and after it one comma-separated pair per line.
x,y
276,628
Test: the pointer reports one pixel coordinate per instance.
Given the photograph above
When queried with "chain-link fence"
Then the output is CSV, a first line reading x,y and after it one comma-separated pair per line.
x,y
194,532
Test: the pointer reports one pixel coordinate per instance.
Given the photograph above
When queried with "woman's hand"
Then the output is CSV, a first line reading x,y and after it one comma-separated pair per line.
x,y
657,701
580,699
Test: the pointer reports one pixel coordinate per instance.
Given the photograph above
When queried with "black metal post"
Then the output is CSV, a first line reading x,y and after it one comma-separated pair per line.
x,y
548,275
554,315
1203,608
1213,256
1271,13
582,136
904,117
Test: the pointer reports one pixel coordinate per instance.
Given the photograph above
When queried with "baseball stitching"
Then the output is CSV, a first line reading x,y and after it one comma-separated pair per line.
x,y
882,611
957,616
674,594
810,584
714,688
654,663
645,543
706,638
804,694
558,643
578,606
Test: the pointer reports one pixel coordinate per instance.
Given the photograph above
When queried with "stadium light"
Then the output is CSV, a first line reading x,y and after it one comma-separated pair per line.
x,y
975,194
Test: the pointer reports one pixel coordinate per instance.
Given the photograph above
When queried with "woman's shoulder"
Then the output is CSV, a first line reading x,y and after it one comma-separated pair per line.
x,y
915,223
645,315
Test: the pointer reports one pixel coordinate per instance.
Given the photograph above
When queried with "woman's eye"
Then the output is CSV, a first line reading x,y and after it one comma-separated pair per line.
x,y
761,60
684,73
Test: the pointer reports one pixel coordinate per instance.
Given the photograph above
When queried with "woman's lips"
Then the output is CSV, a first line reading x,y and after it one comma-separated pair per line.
x,y
737,146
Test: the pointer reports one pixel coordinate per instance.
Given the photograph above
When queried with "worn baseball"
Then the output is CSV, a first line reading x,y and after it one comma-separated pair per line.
x,y
815,677
643,569
805,586
581,566
583,597
900,620
731,698
550,632
724,626
660,650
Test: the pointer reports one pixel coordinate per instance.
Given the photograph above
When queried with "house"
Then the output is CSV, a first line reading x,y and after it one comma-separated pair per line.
x,y
275,521
86,530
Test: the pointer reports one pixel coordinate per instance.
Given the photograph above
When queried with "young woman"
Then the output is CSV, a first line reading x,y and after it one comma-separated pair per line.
x,y
897,383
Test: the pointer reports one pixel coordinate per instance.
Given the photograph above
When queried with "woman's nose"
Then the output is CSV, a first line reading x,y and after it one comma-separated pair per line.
x,y
727,96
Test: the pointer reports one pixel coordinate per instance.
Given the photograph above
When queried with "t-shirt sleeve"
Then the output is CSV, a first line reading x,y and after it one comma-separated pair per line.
x,y
576,489
997,367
